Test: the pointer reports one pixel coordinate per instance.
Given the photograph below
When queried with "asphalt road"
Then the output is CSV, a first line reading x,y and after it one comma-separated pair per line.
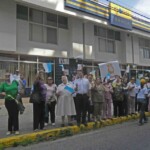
x,y
126,136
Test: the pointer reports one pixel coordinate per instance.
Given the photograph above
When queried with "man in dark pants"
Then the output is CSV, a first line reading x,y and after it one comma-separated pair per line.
x,y
82,88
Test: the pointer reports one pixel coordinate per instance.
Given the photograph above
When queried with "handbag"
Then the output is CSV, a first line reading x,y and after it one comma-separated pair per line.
x,y
35,97
51,99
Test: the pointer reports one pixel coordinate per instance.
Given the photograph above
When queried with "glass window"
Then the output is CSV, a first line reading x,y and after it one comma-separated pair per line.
x,y
146,53
110,34
36,16
102,32
117,35
111,46
102,45
62,22
51,19
22,12
52,35
36,33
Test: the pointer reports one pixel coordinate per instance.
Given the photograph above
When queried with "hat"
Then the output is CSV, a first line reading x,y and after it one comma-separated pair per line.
x,y
17,70
142,81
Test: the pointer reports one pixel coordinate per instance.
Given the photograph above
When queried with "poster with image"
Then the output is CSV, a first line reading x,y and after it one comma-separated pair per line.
x,y
109,69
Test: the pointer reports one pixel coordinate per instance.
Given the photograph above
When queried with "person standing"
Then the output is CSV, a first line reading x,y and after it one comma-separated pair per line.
x,y
118,97
39,108
50,101
108,106
10,90
141,98
131,86
82,90
98,93
15,76
147,85
90,102
65,104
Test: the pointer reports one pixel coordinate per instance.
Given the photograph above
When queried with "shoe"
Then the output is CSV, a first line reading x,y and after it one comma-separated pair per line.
x,y
45,124
53,124
17,133
62,125
8,133
35,130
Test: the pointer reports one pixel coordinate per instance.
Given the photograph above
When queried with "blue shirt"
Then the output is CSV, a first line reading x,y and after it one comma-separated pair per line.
x,y
83,85
141,93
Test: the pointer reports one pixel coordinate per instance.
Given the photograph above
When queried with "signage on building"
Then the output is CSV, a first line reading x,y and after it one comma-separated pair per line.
x,y
63,61
88,6
120,16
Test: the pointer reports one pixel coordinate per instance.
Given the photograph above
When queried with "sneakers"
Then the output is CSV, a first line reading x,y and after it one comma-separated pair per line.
x,y
8,133
17,133
53,124
45,124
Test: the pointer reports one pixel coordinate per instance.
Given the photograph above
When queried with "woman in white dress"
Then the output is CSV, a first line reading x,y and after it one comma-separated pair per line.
x,y
65,105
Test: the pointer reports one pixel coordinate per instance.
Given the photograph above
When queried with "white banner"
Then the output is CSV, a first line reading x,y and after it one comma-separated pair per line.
x,y
109,69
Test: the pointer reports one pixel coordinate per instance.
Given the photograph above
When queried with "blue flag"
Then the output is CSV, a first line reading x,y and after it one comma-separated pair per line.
x,y
69,89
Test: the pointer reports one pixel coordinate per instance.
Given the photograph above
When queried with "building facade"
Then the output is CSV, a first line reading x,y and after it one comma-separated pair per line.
x,y
69,32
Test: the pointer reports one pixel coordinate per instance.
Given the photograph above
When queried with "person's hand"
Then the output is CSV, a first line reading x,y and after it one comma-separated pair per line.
x,y
58,93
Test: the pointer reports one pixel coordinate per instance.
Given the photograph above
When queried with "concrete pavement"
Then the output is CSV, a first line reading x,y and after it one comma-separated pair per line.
x,y
126,136
26,127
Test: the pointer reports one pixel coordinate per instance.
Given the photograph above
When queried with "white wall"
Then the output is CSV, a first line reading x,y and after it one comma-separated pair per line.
x,y
8,25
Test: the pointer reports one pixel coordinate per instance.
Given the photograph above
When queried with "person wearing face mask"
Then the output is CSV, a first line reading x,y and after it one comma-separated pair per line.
x,y
65,104
9,90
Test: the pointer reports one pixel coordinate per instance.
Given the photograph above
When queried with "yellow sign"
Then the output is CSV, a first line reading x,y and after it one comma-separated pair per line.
x,y
120,11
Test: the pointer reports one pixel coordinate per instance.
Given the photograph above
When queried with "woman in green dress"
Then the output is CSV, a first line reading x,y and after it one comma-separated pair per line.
x,y
9,91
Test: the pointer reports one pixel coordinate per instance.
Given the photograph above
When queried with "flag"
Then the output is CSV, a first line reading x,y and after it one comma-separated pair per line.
x,y
69,89
47,67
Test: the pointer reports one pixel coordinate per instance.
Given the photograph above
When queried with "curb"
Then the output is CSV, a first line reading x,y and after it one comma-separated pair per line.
x,y
54,134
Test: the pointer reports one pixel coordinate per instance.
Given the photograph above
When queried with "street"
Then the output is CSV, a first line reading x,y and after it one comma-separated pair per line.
x,y
126,136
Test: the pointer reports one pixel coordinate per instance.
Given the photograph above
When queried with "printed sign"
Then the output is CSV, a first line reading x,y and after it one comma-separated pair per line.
x,y
109,69
120,16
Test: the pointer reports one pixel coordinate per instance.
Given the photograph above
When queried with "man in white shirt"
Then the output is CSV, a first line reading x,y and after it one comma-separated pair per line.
x,y
82,89
131,96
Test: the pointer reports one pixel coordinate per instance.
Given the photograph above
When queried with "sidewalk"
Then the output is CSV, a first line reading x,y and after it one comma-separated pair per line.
x,y
28,136
25,120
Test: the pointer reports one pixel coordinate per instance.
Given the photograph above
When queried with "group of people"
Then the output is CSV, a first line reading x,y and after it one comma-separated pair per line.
x,y
83,99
